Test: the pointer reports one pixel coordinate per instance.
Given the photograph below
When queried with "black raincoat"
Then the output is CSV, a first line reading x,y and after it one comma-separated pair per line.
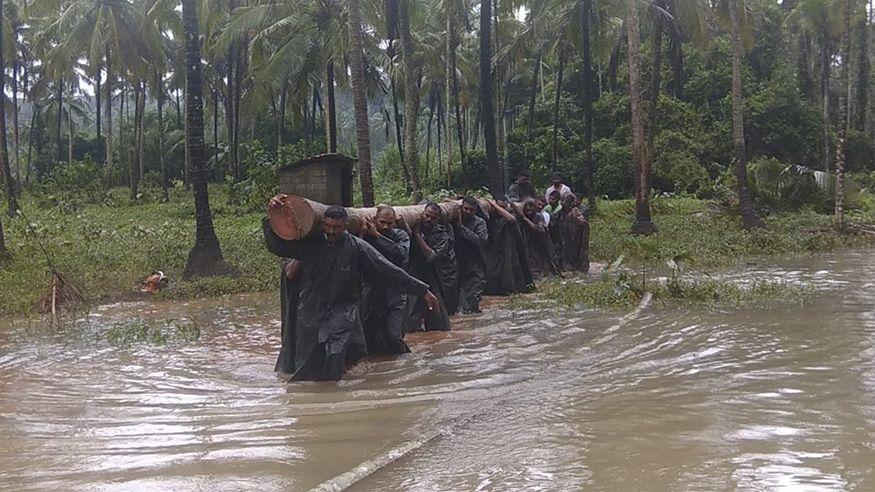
x,y
329,329
507,261
440,272
574,230
289,290
383,309
471,237
539,248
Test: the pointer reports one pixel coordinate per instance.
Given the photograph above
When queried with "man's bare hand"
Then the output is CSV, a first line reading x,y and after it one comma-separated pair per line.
x,y
278,201
431,302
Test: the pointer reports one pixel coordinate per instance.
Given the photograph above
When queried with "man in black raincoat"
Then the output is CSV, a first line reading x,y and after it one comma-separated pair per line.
x,y
537,238
433,259
383,309
507,262
471,235
329,330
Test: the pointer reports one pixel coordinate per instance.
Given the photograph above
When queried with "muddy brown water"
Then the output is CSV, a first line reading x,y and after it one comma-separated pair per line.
x,y
778,398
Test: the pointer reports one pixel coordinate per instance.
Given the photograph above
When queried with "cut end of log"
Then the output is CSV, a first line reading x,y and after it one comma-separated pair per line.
x,y
294,220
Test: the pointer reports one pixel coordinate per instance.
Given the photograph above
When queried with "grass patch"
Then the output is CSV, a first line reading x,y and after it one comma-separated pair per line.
x,y
615,294
138,331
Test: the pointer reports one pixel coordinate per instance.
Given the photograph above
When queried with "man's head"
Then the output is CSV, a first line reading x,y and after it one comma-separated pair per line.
x,y
469,207
554,198
334,223
556,180
385,219
568,200
523,178
431,214
530,208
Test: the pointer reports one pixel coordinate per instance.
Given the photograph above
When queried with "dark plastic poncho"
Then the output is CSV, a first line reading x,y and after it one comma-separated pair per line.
x,y
289,290
329,329
384,310
507,262
471,237
574,231
440,272
539,248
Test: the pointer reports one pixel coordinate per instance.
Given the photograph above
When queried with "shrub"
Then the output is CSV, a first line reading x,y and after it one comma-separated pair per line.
x,y
69,186
614,175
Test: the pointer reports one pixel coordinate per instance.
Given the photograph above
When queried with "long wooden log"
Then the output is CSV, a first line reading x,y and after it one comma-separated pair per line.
x,y
300,217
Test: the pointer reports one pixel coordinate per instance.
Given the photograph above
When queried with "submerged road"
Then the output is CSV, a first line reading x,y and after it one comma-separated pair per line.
x,y
681,400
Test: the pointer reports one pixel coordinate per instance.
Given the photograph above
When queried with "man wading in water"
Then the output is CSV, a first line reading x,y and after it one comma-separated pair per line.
x,y
383,309
433,259
471,237
329,328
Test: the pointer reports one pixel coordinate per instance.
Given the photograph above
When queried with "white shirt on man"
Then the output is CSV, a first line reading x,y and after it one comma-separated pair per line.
x,y
563,190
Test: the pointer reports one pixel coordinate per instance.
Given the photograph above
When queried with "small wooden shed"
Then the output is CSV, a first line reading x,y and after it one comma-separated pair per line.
x,y
325,178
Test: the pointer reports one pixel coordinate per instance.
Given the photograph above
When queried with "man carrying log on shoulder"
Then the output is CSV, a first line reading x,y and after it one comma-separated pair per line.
x,y
471,236
433,259
333,264
507,261
383,309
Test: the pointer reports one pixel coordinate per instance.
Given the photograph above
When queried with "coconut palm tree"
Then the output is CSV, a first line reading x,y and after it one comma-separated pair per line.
x,y
844,122
205,258
4,155
643,223
487,108
411,99
749,218
360,100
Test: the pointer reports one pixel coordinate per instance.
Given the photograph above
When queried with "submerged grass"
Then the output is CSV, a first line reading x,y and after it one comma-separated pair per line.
x,y
611,294
107,249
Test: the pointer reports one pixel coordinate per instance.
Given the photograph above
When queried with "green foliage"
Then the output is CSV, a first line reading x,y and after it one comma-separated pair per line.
x,y
777,186
71,185
253,193
614,169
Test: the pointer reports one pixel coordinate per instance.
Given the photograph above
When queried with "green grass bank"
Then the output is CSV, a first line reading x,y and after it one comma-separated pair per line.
x,y
107,249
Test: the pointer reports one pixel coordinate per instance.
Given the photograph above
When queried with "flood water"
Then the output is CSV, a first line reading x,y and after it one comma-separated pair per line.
x,y
778,398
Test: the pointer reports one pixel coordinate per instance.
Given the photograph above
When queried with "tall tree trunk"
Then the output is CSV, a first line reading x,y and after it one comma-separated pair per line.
x,y
487,109
332,108
589,175
282,115
11,198
122,96
556,101
862,83
70,134
825,57
497,75
398,140
655,82
643,224
411,100
16,153
240,53
59,101
108,114
216,131
449,81
803,74
205,258
749,218
97,112
33,119
360,101
431,109
844,116
159,97
459,122
532,97
136,168
179,125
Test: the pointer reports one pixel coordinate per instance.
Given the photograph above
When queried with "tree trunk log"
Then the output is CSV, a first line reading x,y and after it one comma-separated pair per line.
x,y
302,217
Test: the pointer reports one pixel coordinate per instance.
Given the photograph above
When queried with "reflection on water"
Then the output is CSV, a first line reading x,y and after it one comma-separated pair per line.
x,y
702,400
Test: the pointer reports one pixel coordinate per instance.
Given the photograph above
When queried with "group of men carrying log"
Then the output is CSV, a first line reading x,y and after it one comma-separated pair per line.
x,y
355,281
